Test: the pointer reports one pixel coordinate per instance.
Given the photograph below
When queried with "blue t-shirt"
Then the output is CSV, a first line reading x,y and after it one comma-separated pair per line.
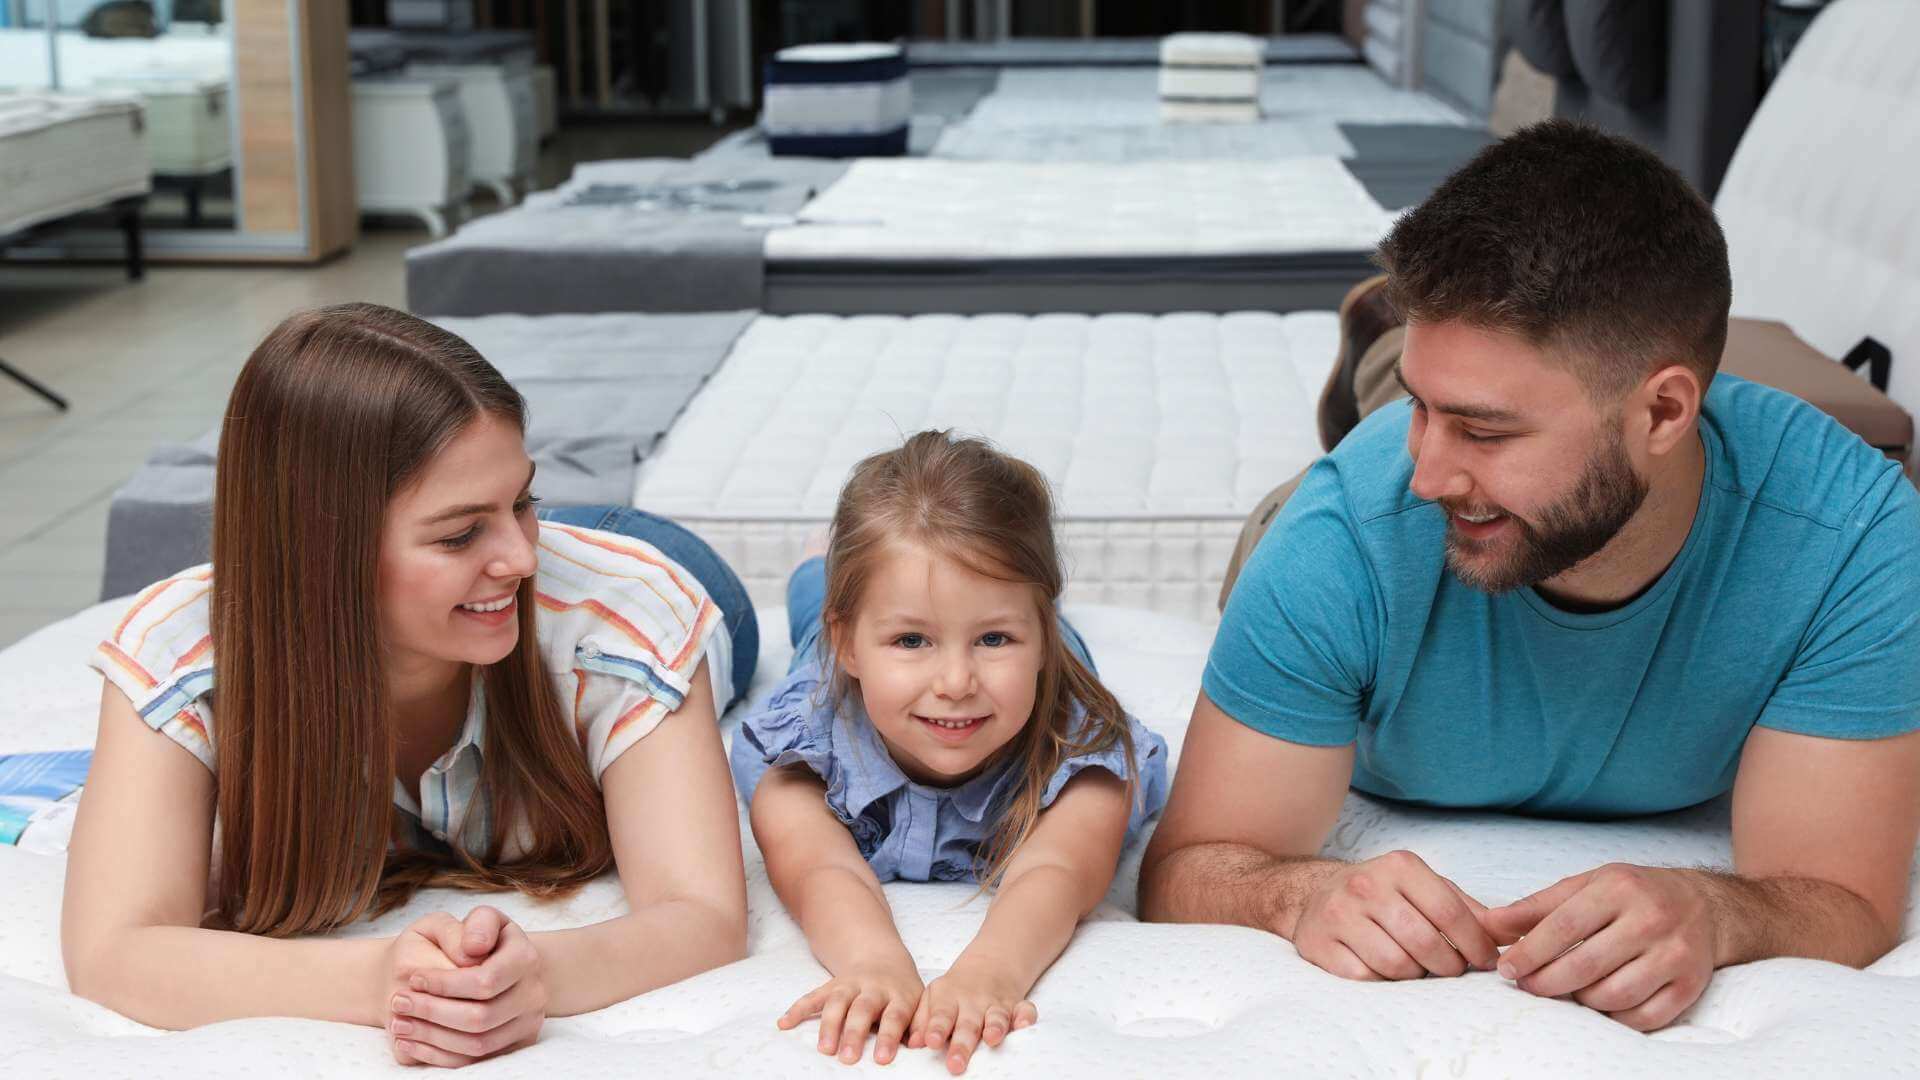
x,y
904,829
1794,604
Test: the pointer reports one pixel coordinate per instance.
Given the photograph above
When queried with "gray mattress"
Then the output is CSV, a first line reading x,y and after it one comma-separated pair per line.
x,y
600,392
1109,52
548,257
657,235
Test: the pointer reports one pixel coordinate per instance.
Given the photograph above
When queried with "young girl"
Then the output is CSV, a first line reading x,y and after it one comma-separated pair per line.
x,y
393,676
939,722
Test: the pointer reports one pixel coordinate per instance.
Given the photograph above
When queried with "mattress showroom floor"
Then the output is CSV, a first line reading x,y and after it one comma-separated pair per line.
x,y
153,361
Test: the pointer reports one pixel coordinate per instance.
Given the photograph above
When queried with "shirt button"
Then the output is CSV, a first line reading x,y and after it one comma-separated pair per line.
x,y
590,651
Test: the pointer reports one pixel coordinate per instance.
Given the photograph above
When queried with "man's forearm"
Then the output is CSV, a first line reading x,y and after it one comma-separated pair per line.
x,y
1762,918
1231,883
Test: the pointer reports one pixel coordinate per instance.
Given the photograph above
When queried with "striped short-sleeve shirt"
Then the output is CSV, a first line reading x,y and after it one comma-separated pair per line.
x,y
622,630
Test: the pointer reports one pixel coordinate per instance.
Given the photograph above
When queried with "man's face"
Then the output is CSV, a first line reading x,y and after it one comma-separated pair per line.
x,y
1533,477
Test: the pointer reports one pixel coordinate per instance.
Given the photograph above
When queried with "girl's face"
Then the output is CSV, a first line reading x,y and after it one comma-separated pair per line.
x,y
948,662
454,548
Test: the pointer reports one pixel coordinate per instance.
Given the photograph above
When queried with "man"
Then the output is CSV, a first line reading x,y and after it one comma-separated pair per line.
x,y
1573,574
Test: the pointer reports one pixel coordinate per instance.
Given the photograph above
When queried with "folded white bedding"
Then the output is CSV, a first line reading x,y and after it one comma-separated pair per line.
x,y
1126,999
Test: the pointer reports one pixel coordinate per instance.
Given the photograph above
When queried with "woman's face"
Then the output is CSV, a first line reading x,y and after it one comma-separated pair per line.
x,y
454,548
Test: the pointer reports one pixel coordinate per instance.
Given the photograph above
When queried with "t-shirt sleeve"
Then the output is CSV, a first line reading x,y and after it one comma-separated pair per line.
x,y
632,627
160,654
1149,774
793,727
1857,674
1299,640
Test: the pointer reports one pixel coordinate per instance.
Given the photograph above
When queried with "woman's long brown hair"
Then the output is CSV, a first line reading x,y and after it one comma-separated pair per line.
x,y
335,412
993,514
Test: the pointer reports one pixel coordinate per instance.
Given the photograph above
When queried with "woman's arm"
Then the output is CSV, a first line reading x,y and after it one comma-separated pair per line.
x,y
136,890
834,896
1055,878
676,840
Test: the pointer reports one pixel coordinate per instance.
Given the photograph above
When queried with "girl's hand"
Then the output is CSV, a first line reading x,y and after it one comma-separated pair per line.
x,y
970,1004
485,996
850,1005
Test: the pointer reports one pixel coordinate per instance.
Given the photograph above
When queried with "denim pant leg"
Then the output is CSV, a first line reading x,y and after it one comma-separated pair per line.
x,y
699,559
1076,644
806,596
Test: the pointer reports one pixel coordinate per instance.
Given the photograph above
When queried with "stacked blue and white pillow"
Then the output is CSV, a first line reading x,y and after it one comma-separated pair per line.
x,y
837,101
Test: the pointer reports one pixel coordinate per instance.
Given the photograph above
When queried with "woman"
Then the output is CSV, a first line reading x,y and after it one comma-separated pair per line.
x,y
392,675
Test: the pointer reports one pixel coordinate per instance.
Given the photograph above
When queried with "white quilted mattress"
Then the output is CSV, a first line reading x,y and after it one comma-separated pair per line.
x,y
1130,97
1126,999
1159,433
63,153
915,208
1821,203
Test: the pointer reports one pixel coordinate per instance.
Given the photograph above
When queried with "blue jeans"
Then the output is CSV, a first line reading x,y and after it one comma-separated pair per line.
x,y
700,560
807,595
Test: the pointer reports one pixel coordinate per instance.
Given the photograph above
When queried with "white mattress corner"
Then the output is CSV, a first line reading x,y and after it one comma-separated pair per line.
x,y
1159,433
1126,998
918,208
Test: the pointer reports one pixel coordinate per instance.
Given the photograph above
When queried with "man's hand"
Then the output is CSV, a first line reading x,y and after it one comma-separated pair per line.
x,y
1637,943
1392,917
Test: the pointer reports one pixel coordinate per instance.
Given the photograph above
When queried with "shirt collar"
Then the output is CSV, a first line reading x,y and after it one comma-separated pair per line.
x,y
872,775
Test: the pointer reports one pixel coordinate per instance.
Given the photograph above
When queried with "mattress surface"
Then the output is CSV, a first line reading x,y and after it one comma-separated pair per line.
x,y
1111,52
1159,434
1819,203
958,210
1165,1000
64,153
1130,97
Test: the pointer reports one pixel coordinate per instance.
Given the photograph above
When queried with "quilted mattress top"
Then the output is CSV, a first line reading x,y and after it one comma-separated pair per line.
x,y
1129,416
887,209
1126,999
22,112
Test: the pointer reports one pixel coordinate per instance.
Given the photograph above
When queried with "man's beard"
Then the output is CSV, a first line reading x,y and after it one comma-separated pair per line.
x,y
1571,530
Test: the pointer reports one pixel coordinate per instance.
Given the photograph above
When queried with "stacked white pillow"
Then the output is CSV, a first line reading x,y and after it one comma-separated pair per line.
x,y
1210,78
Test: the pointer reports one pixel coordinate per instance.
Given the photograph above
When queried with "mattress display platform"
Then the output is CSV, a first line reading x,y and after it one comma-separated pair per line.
x,y
600,390
64,153
1821,216
1111,52
1158,434
1163,1000
1125,97
900,236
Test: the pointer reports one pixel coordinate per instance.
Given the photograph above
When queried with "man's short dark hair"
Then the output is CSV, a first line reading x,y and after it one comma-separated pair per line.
x,y
1579,242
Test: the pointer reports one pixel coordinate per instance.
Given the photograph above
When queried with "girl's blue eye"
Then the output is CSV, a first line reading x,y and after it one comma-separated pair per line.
x,y
910,641
465,538
994,639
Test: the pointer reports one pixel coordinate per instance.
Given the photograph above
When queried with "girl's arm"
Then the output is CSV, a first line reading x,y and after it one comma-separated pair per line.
x,y
835,897
1057,876
136,890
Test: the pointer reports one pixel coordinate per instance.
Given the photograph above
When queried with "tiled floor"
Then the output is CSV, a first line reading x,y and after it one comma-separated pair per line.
x,y
153,361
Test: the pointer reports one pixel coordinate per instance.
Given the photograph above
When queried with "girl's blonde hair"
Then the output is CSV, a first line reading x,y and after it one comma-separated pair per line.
x,y
993,514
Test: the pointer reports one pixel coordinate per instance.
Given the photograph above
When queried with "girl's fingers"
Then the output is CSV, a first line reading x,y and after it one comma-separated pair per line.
x,y
1025,1014
917,1030
833,1014
939,1026
892,1023
806,1008
996,1025
966,1036
853,1033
